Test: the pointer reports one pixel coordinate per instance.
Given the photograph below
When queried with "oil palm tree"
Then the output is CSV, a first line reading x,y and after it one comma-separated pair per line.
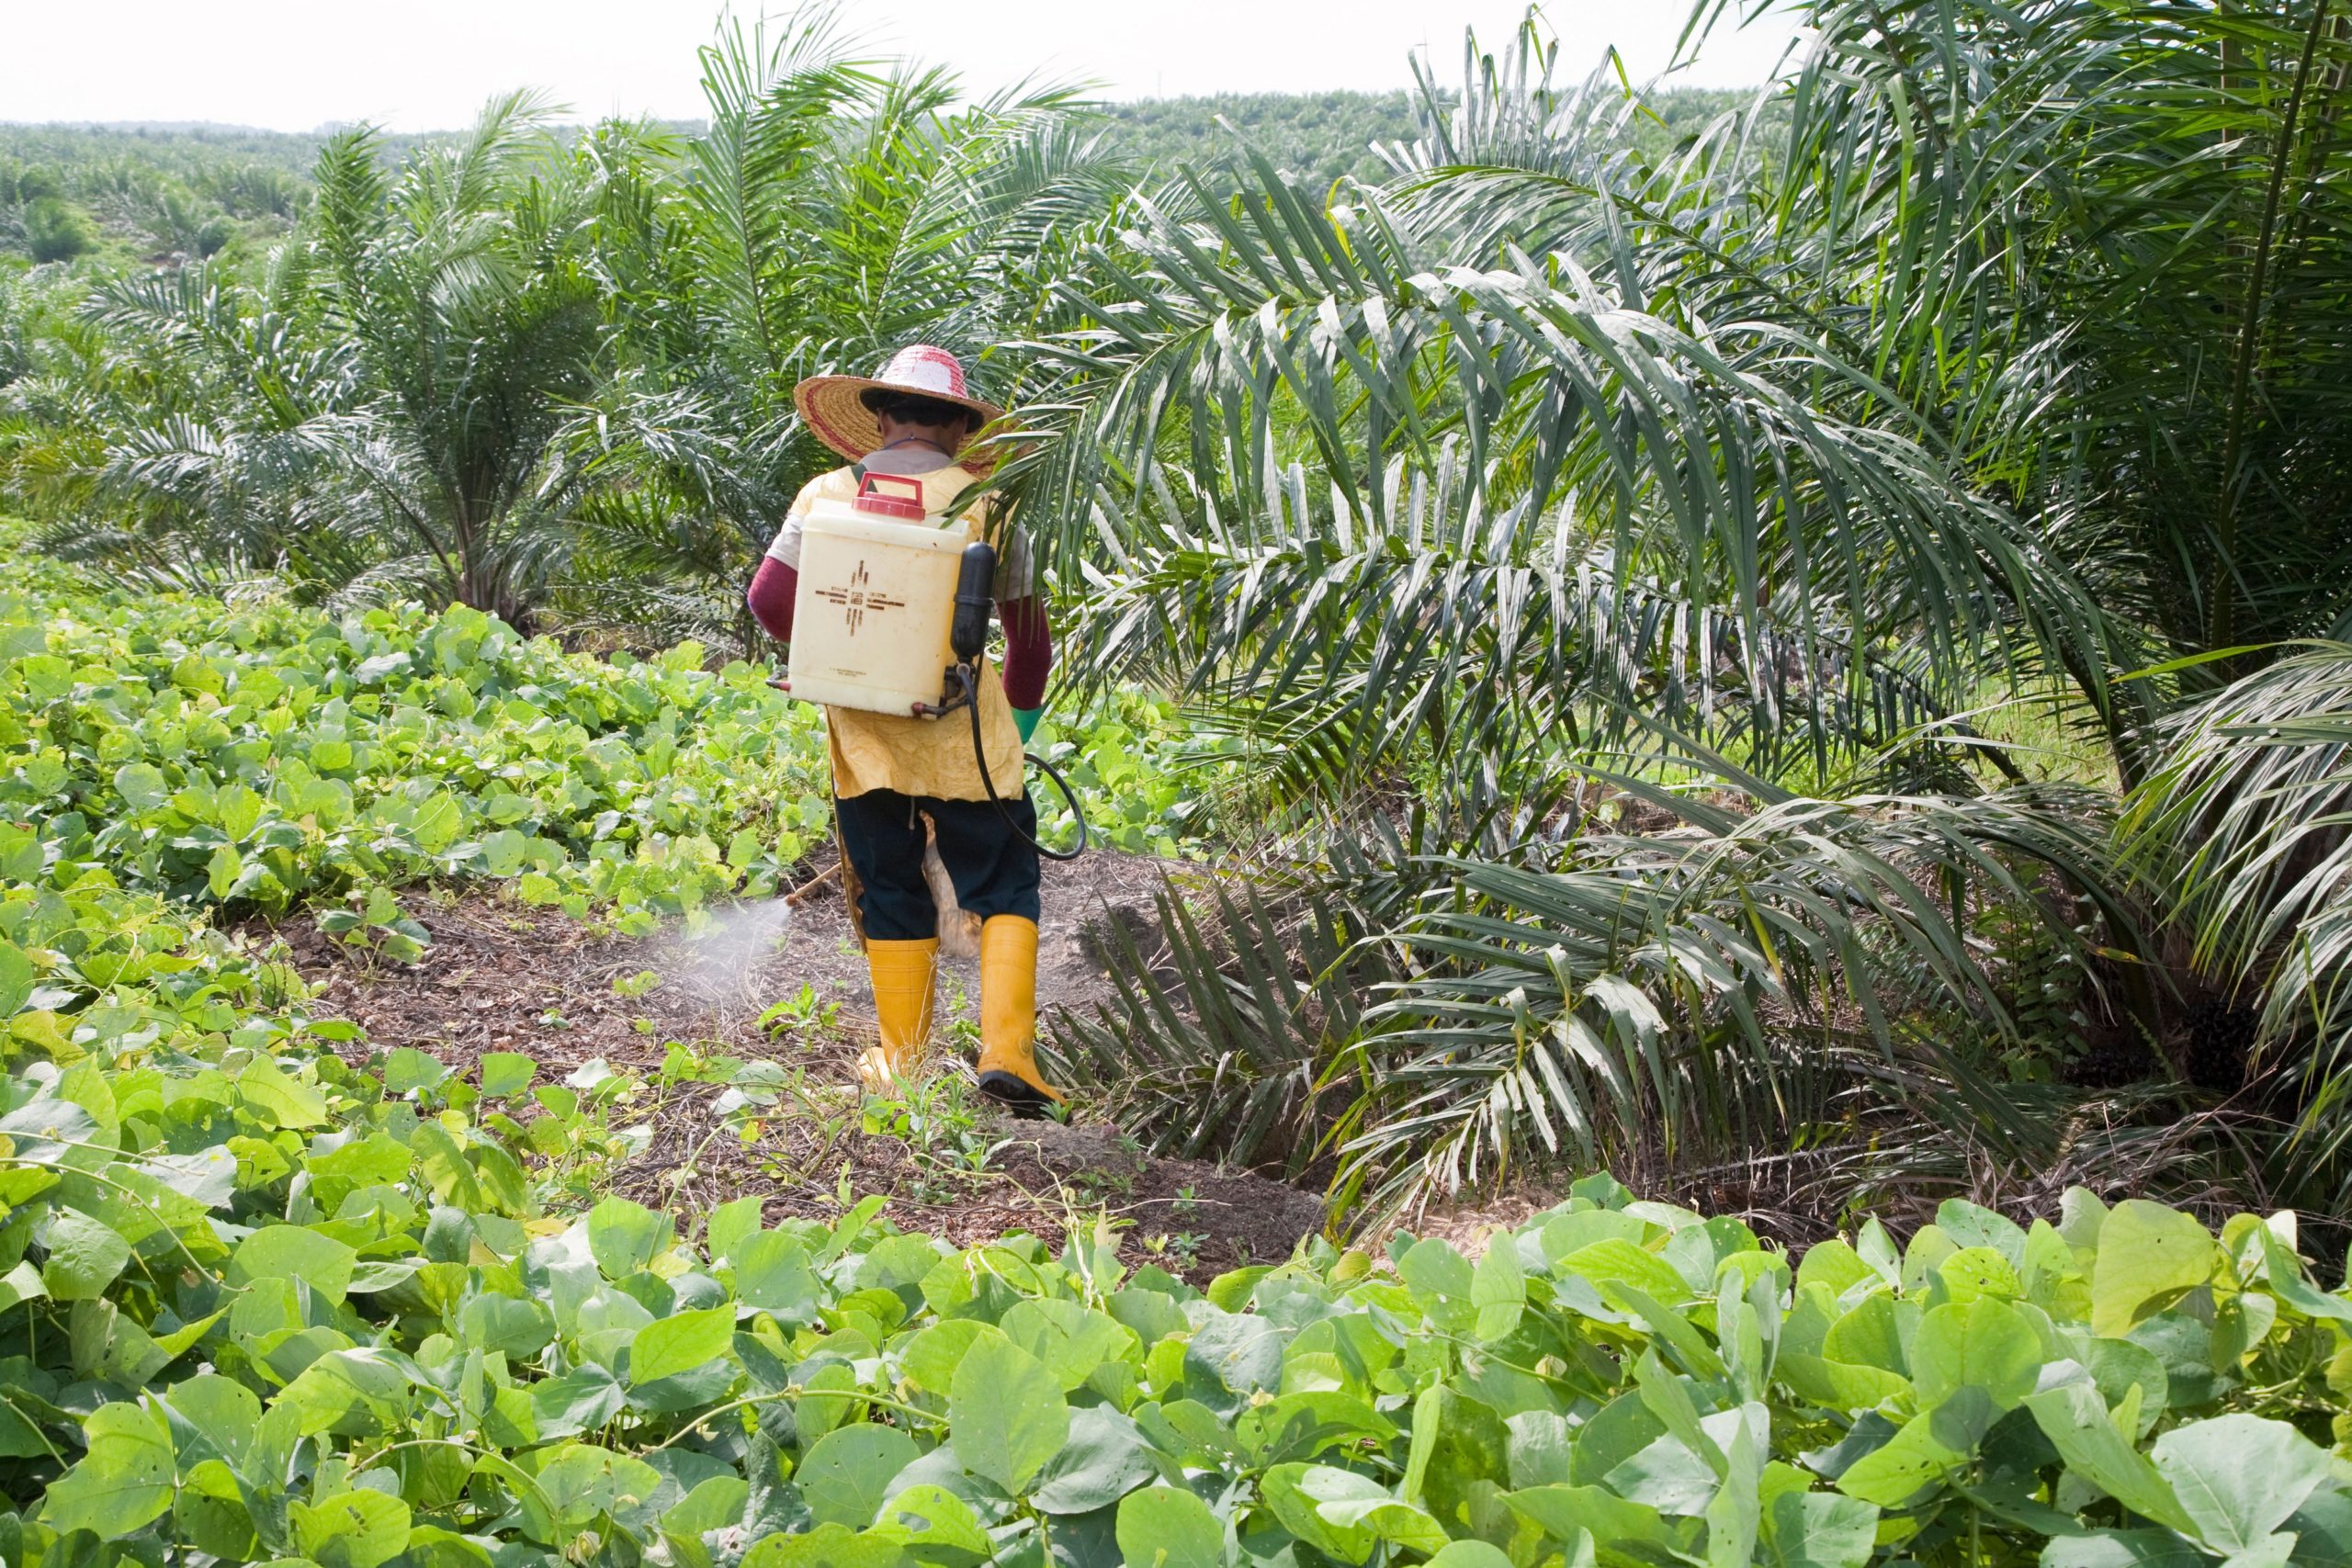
x,y
1996,347
836,207
463,285
389,408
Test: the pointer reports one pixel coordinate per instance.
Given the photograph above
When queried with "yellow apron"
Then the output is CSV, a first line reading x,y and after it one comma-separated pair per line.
x,y
929,757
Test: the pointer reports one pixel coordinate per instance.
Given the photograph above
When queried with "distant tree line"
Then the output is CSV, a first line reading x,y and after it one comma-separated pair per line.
x,y
166,191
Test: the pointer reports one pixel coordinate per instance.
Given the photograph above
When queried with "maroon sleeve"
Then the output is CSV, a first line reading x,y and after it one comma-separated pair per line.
x,y
1028,650
769,597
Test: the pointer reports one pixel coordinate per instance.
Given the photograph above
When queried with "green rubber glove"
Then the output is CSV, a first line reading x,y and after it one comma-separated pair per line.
x,y
1025,721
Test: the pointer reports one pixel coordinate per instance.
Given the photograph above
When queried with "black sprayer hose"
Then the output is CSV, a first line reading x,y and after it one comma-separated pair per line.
x,y
980,755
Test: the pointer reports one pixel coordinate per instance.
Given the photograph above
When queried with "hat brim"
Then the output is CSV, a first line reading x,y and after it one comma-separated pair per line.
x,y
832,408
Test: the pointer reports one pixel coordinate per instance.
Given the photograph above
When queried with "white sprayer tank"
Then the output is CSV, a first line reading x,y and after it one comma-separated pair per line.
x,y
876,597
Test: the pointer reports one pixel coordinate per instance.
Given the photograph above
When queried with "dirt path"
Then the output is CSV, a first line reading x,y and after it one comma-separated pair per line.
x,y
500,977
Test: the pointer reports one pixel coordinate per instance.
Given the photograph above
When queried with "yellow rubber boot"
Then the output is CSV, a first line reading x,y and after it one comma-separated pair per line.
x,y
902,974
1009,1016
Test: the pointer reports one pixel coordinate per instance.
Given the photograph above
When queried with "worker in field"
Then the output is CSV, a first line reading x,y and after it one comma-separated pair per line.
x,y
914,418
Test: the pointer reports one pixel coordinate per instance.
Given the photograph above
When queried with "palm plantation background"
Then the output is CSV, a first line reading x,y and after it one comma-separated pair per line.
x,y
1789,641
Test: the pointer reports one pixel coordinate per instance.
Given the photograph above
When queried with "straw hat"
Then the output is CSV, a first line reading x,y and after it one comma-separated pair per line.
x,y
832,408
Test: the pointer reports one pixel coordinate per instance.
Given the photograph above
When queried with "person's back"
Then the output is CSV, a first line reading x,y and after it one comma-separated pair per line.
x,y
913,419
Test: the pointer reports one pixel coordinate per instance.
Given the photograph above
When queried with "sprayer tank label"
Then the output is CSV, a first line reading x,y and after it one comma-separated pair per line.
x,y
856,599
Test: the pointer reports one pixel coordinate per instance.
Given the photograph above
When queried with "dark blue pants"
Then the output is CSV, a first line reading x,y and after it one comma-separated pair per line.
x,y
994,868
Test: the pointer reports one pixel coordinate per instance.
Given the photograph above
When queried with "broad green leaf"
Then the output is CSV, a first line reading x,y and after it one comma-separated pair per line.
x,y
1233,1356
277,1094
356,1529
1070,1339
1499,1290
515,1328
731,1225
1970,1224
210,1513
578,1481
352,1393
222,1413
443,1164
1818,1529
1837,1385
2286,1282
22,1283
84,1255
143,786
1914,1461
1470,1555
933,1517
1986,1344
1006,1413
824,1403
846,1473
2122,1549
2075,1420
1347,1515
772,1273
408,1070
1871,1336
579,1401
713,1505
625,1236
827,1546
15,979
1164,1526
1279,1427
294,1252
1437,1272
2238,1476
1539,1448
1619,1260
1736,1513
1835,1264
932,1357
123,1479
1105,1458
2148,1256
505,1074
1668,1475
669,1345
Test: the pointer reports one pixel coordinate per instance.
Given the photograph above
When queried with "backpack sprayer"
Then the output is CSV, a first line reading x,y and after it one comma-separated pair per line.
x,y
892,617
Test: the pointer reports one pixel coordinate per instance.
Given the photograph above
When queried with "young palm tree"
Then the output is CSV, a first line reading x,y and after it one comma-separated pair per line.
x,y
463,285
386,409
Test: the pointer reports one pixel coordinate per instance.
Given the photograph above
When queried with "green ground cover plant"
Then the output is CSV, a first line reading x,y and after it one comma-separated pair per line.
x,y
264,756
264,1307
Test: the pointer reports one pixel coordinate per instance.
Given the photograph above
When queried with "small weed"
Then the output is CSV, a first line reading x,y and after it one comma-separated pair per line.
x,y
637,985
554,1019
374,923
1183,1248
681,1063
804,1014
1187,1200
1097,1185
939,1127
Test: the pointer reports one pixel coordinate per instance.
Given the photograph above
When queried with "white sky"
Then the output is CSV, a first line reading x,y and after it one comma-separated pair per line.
x,y
429,64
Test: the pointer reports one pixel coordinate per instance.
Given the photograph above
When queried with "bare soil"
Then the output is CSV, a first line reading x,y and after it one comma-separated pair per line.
x,y
503,977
